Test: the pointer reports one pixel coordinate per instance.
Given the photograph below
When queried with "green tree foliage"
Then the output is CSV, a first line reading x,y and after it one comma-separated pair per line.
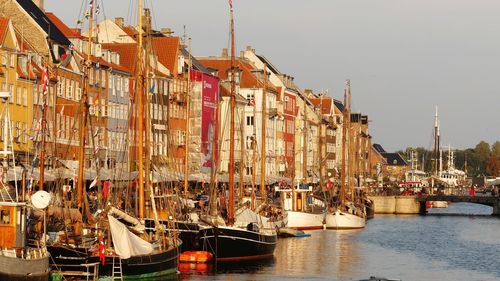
x,y
482,160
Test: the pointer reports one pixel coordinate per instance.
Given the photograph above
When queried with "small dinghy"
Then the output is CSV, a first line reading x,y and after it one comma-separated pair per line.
x,y
290,232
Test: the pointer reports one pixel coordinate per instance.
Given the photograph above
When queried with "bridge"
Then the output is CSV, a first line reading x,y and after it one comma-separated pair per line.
x,y
492,201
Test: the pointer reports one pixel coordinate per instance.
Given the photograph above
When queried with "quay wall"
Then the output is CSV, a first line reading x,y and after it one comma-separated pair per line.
x,y
395,204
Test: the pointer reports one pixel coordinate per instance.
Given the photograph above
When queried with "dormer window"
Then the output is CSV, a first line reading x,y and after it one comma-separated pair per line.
x,y
237,74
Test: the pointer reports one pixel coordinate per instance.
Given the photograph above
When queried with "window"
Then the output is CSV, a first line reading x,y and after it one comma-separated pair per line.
x,y
25,97
18,131
78,96
11,90
70,89
12,60
330,164
5,217
18,98
330,148
24,132
250,120
4,60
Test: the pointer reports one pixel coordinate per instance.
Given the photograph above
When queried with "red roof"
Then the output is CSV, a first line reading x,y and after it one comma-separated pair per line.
x,y
325,102
128,54
167,50
248,79
4,25
68,32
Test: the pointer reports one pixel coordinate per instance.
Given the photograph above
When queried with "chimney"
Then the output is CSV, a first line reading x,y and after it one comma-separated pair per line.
x,y
224,53
119,21
40,4
166,31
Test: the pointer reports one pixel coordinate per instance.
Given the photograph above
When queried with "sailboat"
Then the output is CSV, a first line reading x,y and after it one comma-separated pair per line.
x,y
236,240
113,242
20,258
350,212
304,210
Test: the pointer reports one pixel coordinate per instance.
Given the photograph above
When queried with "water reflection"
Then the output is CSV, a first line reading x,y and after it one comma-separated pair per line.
x,y
441,247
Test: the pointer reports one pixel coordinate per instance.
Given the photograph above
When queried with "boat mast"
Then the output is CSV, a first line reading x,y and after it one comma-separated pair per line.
x,y
188,104
254,155
344,147
83,120
230,210
350,157
242,153
304,146
140,112
436,142
43,127
263,145
320,144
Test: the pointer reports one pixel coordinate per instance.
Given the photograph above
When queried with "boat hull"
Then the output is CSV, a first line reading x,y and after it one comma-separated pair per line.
x,y
344,220
157,264
17,269
236,244
305,221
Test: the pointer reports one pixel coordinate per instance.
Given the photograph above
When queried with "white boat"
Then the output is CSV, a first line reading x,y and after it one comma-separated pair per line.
x,y
344,220
305,221
439,204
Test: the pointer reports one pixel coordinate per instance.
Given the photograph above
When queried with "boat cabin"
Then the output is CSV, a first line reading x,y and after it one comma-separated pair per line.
x,y
12,222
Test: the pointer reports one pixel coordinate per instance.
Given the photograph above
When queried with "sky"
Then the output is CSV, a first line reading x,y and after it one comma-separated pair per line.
x,y
403,57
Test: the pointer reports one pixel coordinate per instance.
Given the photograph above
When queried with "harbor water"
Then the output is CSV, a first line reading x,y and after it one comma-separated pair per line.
x,y
461,242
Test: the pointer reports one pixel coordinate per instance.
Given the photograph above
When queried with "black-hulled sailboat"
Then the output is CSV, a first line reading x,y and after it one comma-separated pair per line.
x,y
233,240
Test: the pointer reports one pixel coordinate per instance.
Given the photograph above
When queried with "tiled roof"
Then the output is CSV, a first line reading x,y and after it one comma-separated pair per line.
x,y
68,32
167,50
128,54
248,79
4,25
44,22
325,102
378,148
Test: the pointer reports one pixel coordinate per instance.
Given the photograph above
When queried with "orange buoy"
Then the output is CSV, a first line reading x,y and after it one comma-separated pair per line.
x,y
196,257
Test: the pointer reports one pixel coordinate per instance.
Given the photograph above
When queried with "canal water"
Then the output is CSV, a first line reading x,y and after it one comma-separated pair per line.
x,y
461,242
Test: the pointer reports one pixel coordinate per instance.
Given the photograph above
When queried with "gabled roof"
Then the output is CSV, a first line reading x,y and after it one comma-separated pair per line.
x,y
325,103
4,25
394,159
44,22
128,54
379,148
68,32
339,105
223,65
167,50
195,63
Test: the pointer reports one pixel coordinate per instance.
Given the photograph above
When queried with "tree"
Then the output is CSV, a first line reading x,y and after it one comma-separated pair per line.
x,y
483,151
493,167
495,149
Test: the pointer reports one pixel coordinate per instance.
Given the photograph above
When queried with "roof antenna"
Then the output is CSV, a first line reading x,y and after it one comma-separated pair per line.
x,y
184,36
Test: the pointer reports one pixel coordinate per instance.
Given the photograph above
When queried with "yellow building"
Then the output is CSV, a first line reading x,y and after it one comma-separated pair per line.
x,y
16,77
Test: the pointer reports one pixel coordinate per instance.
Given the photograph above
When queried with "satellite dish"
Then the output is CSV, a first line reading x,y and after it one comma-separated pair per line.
x,y
41,199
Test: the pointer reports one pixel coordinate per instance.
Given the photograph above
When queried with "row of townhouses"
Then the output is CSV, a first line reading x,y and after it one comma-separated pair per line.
x,y
188,103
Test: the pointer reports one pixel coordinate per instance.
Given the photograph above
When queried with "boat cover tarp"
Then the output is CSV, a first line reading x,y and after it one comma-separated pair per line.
x,y
126,243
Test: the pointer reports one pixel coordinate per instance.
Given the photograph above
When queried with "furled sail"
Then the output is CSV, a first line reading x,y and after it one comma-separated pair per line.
x,y
127,244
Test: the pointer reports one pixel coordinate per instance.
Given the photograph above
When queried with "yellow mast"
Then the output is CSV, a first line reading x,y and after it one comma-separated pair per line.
x,y
263,137
83,120
188,104
254,147
140,113
242,153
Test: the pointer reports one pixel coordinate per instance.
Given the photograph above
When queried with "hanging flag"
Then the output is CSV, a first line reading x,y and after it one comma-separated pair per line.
x,y
152,89
102,250
251,102
97,9
94,183
62,111
105,190
231,4
45,81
